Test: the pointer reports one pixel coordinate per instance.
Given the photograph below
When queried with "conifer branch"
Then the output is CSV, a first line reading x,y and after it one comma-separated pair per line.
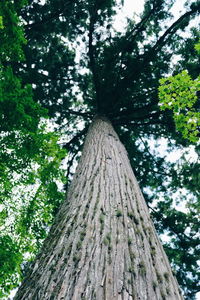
x,y
171,30
81,114
140,26
129,119
48,18
129,112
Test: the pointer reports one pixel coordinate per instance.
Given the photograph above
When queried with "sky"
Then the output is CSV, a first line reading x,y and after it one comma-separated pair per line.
x,y
131,8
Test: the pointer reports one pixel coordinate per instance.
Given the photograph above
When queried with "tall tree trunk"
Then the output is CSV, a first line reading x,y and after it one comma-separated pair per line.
x,y
103,244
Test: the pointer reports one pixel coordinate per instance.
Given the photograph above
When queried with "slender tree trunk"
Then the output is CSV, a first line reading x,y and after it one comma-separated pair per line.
x,y
103,244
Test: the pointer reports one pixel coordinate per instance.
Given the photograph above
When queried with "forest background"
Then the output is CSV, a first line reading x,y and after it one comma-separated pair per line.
x,y
47,93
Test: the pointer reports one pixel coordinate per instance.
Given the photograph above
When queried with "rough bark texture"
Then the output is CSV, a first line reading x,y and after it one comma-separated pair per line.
x,y
103,244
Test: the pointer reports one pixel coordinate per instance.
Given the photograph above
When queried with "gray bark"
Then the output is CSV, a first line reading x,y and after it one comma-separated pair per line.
x,y
103,244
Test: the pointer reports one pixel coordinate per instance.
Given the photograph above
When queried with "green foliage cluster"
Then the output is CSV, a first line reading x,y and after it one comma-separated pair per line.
x,y
17,108
30,158
29,199
12,35
197,47
1,22
10,262
179,93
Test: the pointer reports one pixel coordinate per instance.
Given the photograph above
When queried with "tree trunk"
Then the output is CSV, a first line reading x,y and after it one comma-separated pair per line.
x,y
103,244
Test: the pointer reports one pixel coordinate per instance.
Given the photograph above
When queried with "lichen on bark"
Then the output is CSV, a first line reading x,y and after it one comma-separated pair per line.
x,y
103,244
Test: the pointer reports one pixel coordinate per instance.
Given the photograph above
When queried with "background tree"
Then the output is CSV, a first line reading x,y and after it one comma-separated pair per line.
x,y
29,158
179,93
117,75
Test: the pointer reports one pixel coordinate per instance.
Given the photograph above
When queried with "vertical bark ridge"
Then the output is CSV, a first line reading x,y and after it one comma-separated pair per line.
x,y
103,244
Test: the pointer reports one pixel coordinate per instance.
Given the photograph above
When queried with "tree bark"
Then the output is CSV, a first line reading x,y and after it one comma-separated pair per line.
x,y
103,244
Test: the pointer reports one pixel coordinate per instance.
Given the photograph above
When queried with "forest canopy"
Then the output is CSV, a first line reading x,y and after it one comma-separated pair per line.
x,y
62,63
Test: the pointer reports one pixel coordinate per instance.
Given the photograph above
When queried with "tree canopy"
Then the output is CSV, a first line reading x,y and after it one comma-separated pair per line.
x,y
68,63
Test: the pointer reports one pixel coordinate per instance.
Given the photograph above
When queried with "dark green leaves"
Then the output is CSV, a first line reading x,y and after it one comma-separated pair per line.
x,y
11,37
17,109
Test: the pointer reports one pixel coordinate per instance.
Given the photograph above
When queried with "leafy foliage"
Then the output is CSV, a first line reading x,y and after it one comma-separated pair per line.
x,y
1,22
179,93
30,159
197,47
29,198
10,262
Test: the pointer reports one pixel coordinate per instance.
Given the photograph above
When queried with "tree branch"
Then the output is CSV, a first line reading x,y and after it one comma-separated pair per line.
x,y
48,18
81,114
129,119
130,111
76,138
141,25
70,163
171,30
128,123
145,58
172,228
